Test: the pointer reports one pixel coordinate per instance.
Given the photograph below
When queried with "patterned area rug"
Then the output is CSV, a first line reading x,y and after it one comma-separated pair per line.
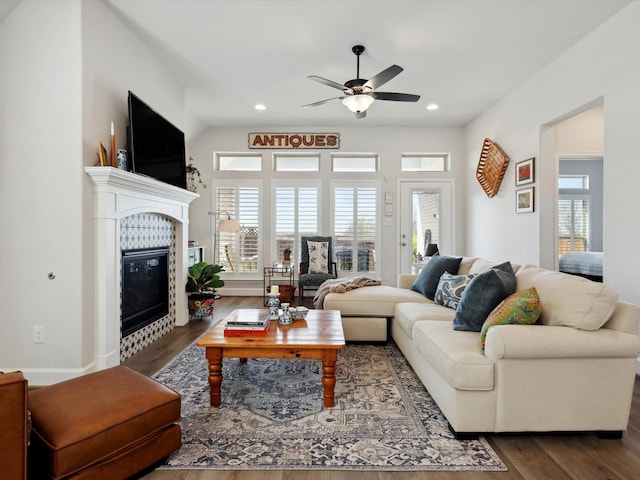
x,y
272,417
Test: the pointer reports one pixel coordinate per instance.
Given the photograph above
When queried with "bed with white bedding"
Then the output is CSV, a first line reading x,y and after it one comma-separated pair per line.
x,y
585,264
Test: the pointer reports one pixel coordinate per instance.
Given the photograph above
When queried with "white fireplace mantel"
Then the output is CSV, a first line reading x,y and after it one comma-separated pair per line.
x,y
119,194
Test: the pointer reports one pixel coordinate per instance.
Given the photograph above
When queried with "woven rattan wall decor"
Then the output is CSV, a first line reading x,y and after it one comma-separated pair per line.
x,y
491,167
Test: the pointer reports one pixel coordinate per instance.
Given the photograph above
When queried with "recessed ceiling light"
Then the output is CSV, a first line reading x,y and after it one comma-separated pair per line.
x,y
260,106
432,106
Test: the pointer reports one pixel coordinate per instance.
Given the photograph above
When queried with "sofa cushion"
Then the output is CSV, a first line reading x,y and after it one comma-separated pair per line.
x,y
372,301
457,356
318,257
450,289
427,281
569,300
466,264
484,292
480,265
520,308
407,314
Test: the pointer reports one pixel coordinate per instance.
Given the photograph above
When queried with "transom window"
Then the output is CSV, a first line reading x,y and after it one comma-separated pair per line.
x,y
574,182
286,162
354,162
238,162
425,162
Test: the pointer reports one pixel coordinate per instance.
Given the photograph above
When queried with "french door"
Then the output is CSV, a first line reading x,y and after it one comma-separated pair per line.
x,y
426,217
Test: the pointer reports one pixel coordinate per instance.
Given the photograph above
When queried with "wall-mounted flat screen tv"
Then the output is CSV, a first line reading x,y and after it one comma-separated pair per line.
x,y
156,146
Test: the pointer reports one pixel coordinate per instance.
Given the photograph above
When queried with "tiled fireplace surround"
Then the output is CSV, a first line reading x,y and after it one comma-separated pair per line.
x,y
133,211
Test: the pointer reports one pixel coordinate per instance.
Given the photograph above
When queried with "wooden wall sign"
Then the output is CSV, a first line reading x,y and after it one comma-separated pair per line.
x,y
294,140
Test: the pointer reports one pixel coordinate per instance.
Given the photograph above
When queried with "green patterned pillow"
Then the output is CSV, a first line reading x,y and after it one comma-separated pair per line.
x,y
450,288
520,308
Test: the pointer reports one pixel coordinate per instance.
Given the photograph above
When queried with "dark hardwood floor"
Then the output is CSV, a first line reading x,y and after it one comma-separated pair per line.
x,y
531,457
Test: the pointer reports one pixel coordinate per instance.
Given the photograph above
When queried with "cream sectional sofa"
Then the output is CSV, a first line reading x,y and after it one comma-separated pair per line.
x,y
574,370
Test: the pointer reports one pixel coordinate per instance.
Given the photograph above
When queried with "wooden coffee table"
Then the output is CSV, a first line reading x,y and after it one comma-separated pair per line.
x,y
319,336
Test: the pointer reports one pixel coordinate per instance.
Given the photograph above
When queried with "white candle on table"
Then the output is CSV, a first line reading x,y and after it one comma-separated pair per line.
x,y
112,131
275,289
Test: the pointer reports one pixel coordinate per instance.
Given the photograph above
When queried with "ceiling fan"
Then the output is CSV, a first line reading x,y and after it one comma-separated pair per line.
x,y
360,93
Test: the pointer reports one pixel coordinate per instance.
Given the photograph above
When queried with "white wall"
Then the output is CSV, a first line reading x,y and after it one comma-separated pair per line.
x,y
389,143
602,66
41,186
65,68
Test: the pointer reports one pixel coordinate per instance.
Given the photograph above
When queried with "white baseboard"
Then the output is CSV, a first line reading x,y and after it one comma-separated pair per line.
x,y
240,292
41,377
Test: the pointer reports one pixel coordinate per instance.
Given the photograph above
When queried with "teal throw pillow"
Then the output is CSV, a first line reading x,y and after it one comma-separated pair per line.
x,y
450,289
484,293
427,281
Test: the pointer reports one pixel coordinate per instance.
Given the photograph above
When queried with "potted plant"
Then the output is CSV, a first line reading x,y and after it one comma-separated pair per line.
x,y
194,179
287,256
202,281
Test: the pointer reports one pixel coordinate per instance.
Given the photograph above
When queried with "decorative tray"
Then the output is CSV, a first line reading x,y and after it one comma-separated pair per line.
x,y
491,167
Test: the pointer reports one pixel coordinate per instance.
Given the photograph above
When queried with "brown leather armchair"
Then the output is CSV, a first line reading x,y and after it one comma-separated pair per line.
x,y
15,430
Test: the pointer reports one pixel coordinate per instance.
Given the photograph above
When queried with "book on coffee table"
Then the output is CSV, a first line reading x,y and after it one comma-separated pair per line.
x,y
247,321
237,331
249,317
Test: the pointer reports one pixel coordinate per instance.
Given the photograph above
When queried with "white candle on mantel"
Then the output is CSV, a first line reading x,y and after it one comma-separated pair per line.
x,y
275,290
112,131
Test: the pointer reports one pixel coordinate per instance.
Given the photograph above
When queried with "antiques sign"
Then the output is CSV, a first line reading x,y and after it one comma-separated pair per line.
x,y
294,140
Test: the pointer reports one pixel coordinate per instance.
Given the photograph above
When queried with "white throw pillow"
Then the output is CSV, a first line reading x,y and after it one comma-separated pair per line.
x,y
318,257
567,300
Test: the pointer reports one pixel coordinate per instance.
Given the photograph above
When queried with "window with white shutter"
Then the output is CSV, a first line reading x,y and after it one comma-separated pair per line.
x,y
239,252
296,213
574,223
355,227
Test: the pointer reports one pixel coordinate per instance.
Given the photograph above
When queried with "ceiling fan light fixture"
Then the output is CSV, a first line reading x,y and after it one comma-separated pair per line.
x,y
358,103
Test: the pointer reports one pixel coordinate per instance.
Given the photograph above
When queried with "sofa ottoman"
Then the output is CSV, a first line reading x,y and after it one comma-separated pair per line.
x,y
108,424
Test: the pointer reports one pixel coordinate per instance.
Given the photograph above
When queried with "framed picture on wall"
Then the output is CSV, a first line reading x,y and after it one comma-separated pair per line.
x,y
525,172
524,200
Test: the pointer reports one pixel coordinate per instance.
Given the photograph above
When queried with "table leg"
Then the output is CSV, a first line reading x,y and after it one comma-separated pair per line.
x,y
214,356
329,358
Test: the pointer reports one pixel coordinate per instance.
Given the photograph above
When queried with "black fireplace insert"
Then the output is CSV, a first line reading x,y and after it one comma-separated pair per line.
x,y
145,288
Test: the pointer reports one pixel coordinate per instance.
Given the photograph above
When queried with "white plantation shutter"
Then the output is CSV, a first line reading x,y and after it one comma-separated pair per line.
x,y
355,228
296,214
574,223
240,252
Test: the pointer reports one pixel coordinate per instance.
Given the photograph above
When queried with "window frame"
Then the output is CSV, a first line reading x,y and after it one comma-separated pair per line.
x,y
293,183
278,155
237,183
377,186
375,156
217,155
446,158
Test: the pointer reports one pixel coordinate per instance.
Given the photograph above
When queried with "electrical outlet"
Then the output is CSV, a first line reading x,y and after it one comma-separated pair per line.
x,y
38,334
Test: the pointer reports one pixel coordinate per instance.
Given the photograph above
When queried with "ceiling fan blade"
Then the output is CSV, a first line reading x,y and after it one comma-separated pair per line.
x,y
395,97
361,114
330,83
321,102
383,77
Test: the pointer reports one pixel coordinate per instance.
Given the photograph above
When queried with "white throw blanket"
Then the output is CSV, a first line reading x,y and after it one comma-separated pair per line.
x,y
341,285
